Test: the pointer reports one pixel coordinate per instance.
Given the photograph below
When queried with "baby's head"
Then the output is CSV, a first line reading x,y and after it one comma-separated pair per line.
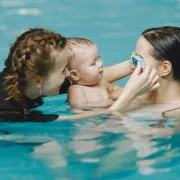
x,y
85,66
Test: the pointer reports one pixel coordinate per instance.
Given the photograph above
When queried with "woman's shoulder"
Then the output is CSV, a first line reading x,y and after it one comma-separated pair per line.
x,y
166,110
65,86
172,112
10,109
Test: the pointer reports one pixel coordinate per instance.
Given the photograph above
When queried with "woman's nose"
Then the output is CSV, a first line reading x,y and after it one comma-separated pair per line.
x,y
66,73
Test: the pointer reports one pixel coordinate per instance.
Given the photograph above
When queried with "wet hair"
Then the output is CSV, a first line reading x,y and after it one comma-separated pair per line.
x,y
166,46
76,43
31,52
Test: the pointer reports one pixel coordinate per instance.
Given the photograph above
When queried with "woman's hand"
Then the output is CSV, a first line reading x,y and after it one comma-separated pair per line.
x,y
138,84
142,82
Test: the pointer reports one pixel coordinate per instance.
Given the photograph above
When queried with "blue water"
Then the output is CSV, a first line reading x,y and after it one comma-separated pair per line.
x,y
104,148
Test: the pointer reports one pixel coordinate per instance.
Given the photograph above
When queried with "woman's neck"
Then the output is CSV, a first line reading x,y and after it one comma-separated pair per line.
x,y
30,91
167,93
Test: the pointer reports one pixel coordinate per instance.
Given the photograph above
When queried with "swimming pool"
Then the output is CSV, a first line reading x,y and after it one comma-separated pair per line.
x,y
101,147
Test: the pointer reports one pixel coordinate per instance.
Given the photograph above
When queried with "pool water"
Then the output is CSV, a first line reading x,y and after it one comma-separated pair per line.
x,y
141,146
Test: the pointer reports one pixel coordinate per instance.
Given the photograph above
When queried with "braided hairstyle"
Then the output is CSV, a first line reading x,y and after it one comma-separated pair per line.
x,y
31,52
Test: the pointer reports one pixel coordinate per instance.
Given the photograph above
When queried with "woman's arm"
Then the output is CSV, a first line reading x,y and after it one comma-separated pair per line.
x,y
117,71
140,83
83,116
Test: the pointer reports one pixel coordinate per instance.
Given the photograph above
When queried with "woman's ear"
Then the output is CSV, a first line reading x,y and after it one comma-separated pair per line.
x,y
165,68
35,79
74,75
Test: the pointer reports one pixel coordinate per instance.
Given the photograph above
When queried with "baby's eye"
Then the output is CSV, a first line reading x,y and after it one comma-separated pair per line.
x,y
93,64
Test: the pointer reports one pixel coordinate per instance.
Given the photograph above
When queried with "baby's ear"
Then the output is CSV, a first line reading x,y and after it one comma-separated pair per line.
x,y
74,75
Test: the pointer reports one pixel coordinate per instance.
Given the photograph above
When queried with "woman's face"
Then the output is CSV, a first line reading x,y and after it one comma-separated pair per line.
x,y
53,81
143,49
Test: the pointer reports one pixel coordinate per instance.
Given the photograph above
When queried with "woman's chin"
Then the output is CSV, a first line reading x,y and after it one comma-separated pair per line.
x,y
52,93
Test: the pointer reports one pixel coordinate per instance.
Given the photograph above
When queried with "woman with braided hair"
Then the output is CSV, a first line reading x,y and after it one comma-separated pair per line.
x,y
29,70
37,66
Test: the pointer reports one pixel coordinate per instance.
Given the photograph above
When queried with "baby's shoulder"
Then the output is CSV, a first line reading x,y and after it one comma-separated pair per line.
x,y
104,82
75,87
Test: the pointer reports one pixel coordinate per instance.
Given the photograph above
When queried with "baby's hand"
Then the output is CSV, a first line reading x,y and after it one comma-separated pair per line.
x,y
133,67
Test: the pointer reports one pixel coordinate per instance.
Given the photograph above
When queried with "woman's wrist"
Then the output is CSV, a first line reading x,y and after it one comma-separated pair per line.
x,y
123,101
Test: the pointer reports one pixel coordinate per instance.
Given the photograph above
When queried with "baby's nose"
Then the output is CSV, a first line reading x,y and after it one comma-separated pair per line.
x,y
100,64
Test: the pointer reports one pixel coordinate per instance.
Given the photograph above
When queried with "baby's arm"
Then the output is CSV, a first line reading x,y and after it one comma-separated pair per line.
x,y
77,99
114,91
117,71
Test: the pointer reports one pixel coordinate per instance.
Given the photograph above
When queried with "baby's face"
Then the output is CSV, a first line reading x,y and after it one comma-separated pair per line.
x,y
88,65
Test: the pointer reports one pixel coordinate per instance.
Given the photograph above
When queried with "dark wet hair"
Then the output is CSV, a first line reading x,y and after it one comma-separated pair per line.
x,y
166,46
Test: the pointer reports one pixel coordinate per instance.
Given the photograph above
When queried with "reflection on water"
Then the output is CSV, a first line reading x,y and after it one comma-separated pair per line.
x,y
100,148
109,149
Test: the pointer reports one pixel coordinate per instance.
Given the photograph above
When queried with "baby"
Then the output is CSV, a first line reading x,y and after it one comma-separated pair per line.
x,y
88,89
